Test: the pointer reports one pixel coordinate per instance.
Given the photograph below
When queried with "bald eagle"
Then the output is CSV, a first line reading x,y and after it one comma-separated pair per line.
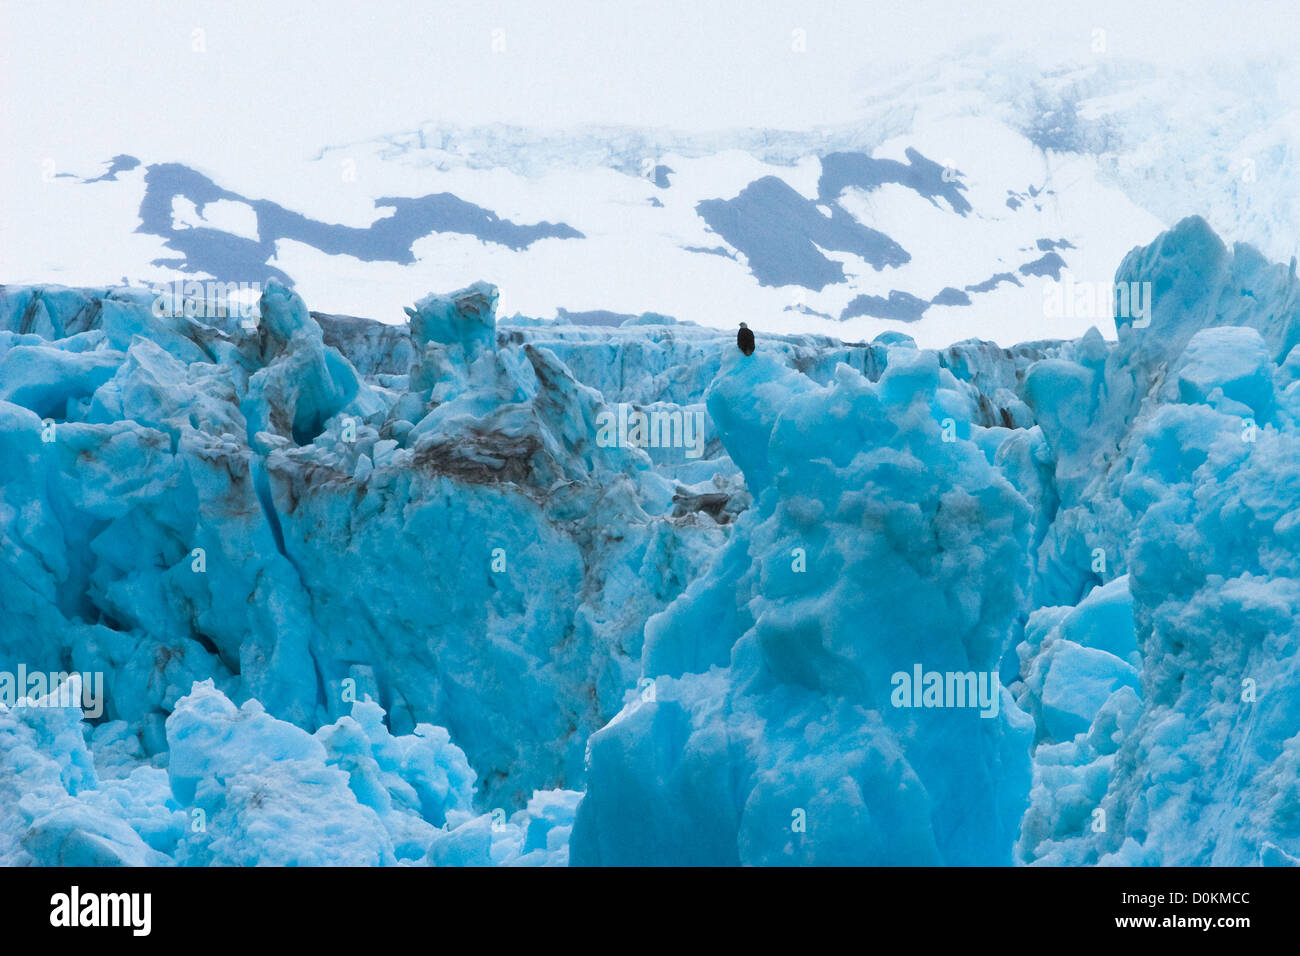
x,y
745,339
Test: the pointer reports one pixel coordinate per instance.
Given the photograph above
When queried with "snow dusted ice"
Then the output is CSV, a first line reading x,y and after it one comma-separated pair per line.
x,y
376,594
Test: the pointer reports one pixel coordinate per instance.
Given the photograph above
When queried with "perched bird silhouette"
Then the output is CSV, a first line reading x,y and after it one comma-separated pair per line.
x,y
745,339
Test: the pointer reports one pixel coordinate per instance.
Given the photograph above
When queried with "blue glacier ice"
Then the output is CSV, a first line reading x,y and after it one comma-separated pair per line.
x,y
368,594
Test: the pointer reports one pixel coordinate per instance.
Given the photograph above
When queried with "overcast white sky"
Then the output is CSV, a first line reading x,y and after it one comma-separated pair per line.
x,y
82,81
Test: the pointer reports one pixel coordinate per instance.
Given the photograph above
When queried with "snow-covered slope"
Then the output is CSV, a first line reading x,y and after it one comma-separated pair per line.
x,y
948,210
372,593
842,241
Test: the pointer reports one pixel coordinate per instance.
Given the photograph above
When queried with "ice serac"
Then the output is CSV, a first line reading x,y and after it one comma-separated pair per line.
x,y
466,318
243,788
303,383
1155,615
1179,482
243,505
367,593
875,545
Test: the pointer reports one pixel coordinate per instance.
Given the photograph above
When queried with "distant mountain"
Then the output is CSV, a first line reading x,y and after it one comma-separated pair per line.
x,y
949,212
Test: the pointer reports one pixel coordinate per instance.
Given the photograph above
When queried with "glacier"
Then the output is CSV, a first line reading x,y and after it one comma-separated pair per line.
x,y
375,594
